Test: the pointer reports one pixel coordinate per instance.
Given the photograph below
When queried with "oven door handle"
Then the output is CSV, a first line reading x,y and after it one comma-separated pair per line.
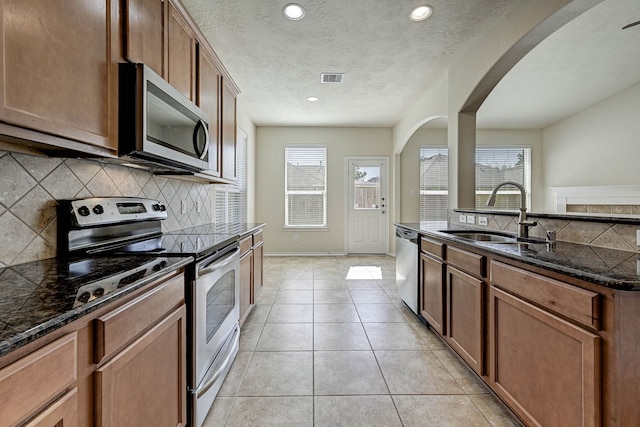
x,y
222,262
211,380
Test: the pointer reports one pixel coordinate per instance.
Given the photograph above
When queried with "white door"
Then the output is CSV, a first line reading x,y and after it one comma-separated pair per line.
x,y
367,212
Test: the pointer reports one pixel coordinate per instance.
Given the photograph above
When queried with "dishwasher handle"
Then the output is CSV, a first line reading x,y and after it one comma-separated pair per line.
x,y
406,234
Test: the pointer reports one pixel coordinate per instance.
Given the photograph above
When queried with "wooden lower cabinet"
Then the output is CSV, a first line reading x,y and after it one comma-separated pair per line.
x,y
145,384
251,271
545,368
122,365
432,295
246,262
63,412
465,318
29,384
258,270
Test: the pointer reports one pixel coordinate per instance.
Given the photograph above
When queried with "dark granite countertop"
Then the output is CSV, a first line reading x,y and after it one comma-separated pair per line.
x,y
230,228
607,267
39,297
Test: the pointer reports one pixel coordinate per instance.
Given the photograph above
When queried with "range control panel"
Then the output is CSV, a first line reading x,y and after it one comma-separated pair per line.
x,y
114,210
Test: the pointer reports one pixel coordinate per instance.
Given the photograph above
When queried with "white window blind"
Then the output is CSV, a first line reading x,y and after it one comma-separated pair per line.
x,y
434,184
305,186
230,200
495,165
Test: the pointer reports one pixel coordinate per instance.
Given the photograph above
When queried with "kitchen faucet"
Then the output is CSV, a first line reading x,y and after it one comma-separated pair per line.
x,y
523,229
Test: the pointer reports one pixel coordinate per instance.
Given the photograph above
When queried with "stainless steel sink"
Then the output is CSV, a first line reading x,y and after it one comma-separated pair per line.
x,y
484,236
489,236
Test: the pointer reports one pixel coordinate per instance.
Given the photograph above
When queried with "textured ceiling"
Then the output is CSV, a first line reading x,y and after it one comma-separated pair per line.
x,y
388,60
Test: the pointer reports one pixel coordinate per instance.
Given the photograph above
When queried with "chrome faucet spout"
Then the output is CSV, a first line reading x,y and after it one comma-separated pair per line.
x,y
523,229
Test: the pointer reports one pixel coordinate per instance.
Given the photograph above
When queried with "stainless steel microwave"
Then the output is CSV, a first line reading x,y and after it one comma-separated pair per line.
x,y
160,128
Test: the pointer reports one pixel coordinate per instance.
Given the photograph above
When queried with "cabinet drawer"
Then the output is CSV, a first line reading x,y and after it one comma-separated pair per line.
x,y
245,245
257,237
466,261
33,381
575,303
63,412
117,328
432,247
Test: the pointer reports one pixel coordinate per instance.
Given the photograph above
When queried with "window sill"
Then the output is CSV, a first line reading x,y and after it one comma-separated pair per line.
x,y
303,228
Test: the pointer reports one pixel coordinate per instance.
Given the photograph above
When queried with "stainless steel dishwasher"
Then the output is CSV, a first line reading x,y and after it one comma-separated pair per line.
x,y
407,266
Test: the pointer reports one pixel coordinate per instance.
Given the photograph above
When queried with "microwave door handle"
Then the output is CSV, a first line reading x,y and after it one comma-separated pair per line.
x,y
196,132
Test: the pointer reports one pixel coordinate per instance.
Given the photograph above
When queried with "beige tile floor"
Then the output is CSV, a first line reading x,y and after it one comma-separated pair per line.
x,y
329,343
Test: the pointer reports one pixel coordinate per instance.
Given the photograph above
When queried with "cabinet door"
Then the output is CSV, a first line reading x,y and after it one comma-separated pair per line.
x,y
228,132
545,368
63,412
181,54
432,292
246,263
144,26
257,271
145,384
59,68
209,78
465,319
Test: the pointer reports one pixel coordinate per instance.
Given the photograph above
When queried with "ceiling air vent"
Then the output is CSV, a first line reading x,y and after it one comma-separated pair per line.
x,y
331,77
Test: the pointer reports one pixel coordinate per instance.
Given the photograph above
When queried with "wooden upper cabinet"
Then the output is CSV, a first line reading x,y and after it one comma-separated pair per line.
x,y
144,24
209,78
228,132
181,54
59,68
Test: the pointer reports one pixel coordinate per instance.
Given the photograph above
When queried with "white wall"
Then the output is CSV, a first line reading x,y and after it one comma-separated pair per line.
x,y
597,146
340,142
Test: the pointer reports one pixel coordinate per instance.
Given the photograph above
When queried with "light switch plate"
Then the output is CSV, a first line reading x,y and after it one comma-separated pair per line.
x,y
462,219
638,237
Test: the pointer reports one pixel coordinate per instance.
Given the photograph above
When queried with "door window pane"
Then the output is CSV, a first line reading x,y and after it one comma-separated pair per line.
x,y
366,187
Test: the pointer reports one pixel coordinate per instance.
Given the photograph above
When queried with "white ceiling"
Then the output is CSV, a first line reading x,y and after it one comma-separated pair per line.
x,y
389,61
586,61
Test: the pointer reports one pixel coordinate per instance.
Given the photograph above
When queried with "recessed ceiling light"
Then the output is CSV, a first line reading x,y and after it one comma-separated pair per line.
x,y
293,11
421,13
313,99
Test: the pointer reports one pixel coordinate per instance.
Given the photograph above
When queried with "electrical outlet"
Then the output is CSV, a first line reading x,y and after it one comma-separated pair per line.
x,y
183,207
482,220
412,192
638,237
471,219
296,238
198,206
638,267
462,219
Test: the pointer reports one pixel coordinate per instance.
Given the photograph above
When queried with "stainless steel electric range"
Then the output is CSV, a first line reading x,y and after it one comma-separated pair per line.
x,y
132,226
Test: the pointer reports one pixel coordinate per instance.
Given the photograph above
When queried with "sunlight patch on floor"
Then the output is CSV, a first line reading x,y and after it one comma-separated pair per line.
x,y
369,272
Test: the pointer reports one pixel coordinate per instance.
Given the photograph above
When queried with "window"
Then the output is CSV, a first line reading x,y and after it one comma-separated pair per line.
x,y
493,166
499,164
305,192
230,200
434,184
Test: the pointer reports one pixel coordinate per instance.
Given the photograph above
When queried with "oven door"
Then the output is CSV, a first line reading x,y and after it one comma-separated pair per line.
x,y
215,328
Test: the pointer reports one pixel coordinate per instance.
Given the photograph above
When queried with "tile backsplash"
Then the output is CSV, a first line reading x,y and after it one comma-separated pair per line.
x,y
613,234
30,186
